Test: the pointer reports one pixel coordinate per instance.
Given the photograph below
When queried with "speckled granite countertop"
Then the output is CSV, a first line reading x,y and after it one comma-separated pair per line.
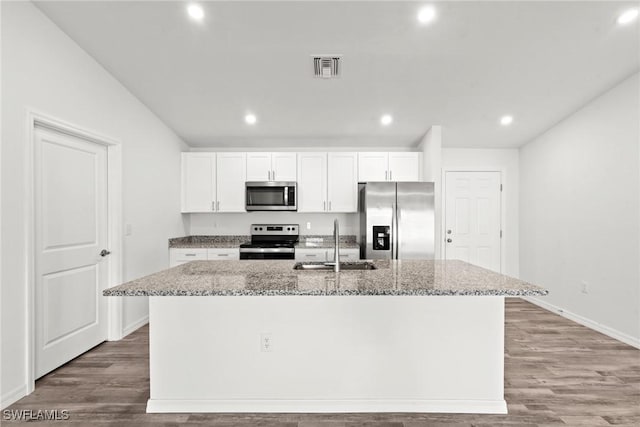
x,y
269,278
308,242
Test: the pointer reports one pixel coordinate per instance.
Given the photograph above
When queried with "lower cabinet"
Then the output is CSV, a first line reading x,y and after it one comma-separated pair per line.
x,y
324,254
179,256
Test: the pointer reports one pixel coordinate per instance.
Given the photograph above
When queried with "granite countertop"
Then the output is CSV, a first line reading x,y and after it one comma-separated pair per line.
x,y
277,277
306,242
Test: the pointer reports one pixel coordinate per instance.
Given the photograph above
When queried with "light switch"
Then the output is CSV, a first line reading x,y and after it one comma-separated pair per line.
x,y
308,226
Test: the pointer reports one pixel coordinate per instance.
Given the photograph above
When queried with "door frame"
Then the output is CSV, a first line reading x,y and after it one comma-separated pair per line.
x,y
503,205
114,226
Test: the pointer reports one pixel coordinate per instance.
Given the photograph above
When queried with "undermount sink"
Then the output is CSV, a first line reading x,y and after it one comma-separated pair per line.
x,y
323,266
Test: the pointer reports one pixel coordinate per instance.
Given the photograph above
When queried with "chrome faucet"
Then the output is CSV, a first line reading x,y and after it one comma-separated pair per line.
x,y
336,248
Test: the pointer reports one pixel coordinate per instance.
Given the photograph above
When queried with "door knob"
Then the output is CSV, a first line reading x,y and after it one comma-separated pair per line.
x,y
104,252
449,240
448,231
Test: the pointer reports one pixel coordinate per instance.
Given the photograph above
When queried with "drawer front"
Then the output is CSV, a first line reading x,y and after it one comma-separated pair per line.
x,y
311,254
223,254
349,254
181,256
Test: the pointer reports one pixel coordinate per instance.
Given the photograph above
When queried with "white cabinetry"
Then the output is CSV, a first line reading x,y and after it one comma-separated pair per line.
x,y
198,182
314,254
312,182
231,177
271,166
213,182
223,254
393,166
179,256
327,182
324,254
342,182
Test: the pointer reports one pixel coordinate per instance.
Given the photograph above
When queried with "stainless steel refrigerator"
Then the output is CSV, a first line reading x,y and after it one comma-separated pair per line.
x,y
397,220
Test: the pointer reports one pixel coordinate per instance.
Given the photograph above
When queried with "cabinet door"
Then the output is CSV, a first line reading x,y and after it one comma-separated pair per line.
x,y
198,182
259,167
373,167
232,173
404,167
342,182
284,167
312,182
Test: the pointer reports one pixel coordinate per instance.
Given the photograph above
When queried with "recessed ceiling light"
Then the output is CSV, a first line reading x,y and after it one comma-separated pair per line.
x,y
250,119
426,14
195,11
506,120
386,120
628,16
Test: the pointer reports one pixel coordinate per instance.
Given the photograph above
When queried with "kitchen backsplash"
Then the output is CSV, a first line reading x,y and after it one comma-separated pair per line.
x,y
239,223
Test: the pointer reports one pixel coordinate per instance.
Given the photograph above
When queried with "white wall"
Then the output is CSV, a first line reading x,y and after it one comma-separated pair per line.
x,y
431,146
45,70
496,159
238,223
579,213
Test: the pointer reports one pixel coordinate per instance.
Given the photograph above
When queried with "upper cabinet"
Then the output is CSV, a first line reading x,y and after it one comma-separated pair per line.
x,y
312,182
327,182
198,182
342,182
213,182
393,166
271,166
232,175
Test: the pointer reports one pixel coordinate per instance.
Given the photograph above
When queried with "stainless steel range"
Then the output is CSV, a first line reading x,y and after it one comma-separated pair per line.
x,y
271,241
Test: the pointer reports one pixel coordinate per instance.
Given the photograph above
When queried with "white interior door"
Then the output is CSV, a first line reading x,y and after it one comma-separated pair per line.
x,y
472,218
70,232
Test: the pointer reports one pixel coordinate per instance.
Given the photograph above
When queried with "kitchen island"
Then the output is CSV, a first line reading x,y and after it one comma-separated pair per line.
x,y
259,336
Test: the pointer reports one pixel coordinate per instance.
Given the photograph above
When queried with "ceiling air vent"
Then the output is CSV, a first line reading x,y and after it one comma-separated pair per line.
x,y
327,66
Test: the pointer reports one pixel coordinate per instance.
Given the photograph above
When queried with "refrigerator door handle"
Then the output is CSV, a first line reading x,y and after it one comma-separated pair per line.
x,y
396,217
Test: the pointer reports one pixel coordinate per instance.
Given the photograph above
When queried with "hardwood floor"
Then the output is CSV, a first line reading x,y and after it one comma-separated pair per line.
x,y
556,373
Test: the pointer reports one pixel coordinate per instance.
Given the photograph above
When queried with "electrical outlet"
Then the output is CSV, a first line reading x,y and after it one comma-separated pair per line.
x,y
584,287
308,226
266,342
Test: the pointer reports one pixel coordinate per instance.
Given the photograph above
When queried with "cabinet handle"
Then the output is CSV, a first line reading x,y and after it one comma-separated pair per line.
x,y
390,175
273,174
189,254
386,175
324,205
329,204
268,175
218,208
311,255
213,206
223,254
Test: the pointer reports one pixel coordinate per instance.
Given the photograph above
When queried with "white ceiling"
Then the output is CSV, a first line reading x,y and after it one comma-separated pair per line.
x,y
538,61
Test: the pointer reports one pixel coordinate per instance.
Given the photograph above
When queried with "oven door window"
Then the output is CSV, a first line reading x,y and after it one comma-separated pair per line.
x,y
265,196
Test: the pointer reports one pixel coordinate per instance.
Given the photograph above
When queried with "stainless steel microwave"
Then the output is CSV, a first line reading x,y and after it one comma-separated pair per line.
x,y
271,196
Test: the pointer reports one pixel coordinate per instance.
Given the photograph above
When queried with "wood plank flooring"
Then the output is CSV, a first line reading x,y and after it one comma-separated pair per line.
x,y
556,373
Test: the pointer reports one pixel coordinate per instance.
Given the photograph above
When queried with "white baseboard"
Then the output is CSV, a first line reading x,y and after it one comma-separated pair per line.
x,y
610,332
328,406
12,396
135,325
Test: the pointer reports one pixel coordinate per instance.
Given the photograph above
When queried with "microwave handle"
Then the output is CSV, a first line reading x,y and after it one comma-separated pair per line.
x,y
286,196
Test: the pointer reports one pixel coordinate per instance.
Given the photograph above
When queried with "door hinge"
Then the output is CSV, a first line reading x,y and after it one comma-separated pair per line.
x,y
500,187
501,234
